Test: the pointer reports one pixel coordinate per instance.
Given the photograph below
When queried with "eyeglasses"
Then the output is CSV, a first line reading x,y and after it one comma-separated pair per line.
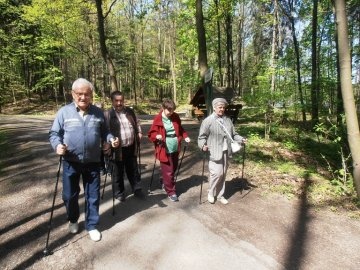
x,y
79,95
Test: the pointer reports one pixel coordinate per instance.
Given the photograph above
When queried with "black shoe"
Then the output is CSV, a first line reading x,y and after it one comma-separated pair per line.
x,y
138,193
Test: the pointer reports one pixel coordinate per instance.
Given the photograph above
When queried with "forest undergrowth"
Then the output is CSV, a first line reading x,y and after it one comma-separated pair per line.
x,y
297,162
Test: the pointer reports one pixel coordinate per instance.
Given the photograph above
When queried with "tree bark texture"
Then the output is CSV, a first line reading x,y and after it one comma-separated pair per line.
x,y
352,123
229,51
298,70
219,55
104,51
314,61
201,35
274,48
240,51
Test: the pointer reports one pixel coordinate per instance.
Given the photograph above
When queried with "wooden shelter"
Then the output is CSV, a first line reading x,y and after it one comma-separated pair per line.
x,y
199,102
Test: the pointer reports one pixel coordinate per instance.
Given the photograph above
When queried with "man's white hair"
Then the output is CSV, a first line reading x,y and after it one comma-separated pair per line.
x,y
81,82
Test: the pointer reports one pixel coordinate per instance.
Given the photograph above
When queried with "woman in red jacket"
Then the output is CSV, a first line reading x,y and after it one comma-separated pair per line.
x,y
166,132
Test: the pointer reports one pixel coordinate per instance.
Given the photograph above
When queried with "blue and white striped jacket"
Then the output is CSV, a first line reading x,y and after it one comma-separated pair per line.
x,y
82,137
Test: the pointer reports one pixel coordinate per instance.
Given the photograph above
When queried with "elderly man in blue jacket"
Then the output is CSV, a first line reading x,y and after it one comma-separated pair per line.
x,y
77,134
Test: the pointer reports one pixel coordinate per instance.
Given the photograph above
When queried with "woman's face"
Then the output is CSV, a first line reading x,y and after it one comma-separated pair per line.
x,y
168,112
220,109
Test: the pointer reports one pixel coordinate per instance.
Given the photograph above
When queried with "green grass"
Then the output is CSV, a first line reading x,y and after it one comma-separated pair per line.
x,y
284,189
296,160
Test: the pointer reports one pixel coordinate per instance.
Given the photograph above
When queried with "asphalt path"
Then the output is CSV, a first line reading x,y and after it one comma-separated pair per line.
x,y
253,231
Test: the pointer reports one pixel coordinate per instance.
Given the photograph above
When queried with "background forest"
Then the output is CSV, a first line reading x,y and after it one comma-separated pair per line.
x,y
264,49
280,56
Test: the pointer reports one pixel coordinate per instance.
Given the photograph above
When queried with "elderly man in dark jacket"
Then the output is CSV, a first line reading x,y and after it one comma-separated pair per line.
x,y
124,124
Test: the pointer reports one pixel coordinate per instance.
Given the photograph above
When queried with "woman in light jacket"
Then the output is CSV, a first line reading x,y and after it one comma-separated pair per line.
x,y
214,138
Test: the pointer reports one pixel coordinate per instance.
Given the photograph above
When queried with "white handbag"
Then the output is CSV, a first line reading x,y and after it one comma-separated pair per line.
x,y
235,146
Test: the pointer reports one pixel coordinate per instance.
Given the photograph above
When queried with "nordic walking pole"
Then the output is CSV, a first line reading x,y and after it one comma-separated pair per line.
x,y
112,164
159,143
152,176
107,166
139,165
106,174
46,251
182,157
113,190
106,160
202,175
243,163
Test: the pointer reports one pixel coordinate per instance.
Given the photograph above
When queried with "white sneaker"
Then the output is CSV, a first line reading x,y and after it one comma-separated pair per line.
x,y
95,235
73,227
223,200
211,199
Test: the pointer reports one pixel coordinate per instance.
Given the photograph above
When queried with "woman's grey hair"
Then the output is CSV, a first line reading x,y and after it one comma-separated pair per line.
x,y
81,82
217,101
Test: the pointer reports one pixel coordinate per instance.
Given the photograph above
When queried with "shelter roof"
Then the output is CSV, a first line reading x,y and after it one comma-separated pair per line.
x,y
218,92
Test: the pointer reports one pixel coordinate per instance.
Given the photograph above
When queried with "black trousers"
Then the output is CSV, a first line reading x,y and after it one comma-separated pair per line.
x,y
128,165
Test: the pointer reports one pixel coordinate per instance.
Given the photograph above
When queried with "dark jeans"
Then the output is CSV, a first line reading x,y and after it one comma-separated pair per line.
x,y
90,174
168,170
129,165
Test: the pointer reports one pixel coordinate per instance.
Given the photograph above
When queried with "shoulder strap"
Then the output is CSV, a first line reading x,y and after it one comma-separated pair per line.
x,y
226,131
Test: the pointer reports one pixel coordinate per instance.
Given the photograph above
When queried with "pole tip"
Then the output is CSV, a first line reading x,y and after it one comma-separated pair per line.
x,y
47,252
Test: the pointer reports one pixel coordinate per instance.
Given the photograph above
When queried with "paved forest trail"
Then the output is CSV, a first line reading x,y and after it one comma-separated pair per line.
x,y
252,232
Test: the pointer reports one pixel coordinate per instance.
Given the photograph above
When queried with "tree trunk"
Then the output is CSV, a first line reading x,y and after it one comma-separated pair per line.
x,y
352,123
203,65
104,51
172,53
274,49
297,55
200,28
229,51
219,43
339,100
270,108
134,53
240,50
314,61
134,70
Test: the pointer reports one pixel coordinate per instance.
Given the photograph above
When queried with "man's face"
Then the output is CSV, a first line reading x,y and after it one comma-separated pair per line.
x,y
82,96
220,109
118,103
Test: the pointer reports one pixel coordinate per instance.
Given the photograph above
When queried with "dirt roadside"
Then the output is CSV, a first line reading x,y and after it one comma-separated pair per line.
x,y
254,231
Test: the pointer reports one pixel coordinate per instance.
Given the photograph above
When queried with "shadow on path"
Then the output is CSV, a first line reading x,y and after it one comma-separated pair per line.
x,y
297,244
